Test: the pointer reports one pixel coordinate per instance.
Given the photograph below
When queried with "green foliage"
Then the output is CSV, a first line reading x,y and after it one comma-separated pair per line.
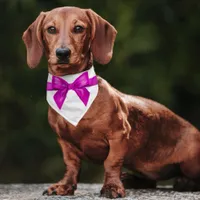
x,y
156,55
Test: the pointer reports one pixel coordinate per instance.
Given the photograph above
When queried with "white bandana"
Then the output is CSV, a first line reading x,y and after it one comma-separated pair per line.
x,y
73,108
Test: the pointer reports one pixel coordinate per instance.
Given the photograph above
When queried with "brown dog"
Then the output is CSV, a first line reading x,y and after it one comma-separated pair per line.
x,y
118,130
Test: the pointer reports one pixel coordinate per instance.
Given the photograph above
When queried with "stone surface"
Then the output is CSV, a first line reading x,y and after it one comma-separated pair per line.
x,y
90,192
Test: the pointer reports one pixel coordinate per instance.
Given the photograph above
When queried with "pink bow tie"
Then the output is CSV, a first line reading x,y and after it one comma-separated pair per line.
x,y
79,86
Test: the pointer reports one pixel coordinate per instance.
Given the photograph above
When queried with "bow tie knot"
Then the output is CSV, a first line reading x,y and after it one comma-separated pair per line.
x,y
79,86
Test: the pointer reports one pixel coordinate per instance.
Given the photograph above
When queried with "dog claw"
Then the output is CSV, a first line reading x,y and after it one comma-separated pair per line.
x,y
54,193
74,187
119,196
45,192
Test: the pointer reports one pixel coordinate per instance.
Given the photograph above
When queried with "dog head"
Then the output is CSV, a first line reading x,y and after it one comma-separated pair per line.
x,y
70,37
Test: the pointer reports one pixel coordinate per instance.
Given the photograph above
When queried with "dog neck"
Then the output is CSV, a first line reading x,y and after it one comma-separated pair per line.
x,y
72,77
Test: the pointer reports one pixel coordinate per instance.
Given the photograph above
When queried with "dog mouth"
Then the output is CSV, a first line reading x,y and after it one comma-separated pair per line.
x,y
63,62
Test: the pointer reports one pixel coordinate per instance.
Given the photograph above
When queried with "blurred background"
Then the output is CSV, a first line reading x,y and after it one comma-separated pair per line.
x,y
156,55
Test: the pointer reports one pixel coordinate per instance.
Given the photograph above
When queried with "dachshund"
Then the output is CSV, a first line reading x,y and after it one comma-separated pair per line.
x,y
117,130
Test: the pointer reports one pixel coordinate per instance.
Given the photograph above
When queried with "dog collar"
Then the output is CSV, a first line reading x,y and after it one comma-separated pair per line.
x,y
72,95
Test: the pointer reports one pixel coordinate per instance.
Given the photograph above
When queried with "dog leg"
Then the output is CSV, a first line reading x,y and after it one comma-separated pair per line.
x,y
190,179
113,187
184,184
68,184
131,181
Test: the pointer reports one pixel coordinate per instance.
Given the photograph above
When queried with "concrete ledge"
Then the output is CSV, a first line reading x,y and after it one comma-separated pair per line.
x,y
88,192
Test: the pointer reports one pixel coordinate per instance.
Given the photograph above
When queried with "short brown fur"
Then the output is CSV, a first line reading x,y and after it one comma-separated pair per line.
x,y
118,129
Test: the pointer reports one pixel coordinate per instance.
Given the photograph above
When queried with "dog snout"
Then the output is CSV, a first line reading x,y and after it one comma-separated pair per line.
x,y
63,53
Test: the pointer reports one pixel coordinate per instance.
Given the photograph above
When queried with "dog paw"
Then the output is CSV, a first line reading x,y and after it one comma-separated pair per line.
x,y
184,184
112,191
60,189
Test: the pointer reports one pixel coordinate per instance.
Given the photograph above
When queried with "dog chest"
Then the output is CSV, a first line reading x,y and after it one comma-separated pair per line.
x,y
96,151
89,140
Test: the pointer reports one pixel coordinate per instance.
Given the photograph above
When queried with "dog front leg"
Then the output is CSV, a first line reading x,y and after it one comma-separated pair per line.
x,y
113,187
68,184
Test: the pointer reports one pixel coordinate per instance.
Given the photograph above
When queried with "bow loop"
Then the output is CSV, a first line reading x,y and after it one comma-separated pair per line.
x,y
81,81
58,83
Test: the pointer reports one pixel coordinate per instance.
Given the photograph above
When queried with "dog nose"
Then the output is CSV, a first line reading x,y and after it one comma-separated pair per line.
x,y
63,53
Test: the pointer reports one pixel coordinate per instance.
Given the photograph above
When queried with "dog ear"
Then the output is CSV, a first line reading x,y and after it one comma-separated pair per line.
x,y
32,38
103,36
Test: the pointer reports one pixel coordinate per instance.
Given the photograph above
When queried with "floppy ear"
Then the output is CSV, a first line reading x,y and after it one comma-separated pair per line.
x,y
103,36
32,38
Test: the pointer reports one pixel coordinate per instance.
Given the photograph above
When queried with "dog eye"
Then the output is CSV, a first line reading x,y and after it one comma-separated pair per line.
x,y
78,29
52,30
